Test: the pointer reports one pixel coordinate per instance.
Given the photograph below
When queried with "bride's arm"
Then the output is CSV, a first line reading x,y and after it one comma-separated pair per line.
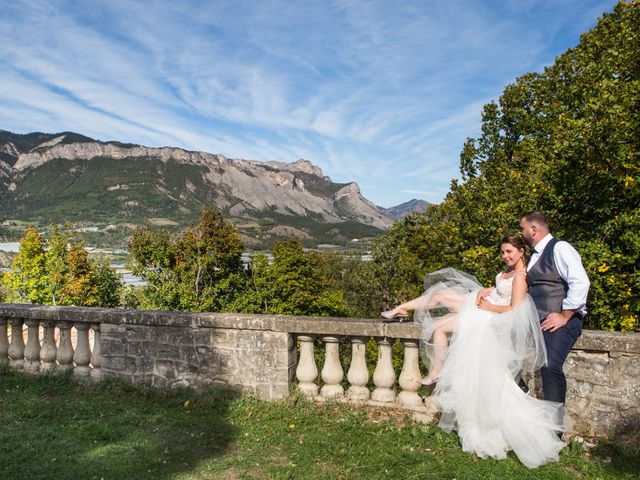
x,y
518,292
483,292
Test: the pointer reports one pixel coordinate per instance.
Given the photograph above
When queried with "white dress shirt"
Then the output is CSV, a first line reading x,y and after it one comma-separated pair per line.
x,y
569,265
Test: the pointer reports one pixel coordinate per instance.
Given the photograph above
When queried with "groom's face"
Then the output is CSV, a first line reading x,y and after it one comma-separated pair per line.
x,y
528,231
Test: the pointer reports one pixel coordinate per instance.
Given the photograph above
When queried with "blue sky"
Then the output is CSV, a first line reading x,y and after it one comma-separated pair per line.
x,y
383,93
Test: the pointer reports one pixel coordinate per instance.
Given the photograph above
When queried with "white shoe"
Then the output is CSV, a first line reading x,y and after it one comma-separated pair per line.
x,y
389,316
426,381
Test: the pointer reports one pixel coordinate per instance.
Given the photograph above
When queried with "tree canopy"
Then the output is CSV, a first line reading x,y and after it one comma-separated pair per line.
x,y
57,272
565,141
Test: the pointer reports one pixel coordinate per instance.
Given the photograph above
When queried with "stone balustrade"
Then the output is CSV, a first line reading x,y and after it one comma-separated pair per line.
x,y
44,351
267,354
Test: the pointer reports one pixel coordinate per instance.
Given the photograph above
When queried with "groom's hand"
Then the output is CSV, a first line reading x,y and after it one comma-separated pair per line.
x,y
556,320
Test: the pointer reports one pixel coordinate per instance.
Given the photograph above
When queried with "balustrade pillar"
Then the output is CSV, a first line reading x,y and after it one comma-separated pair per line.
x,y
49,350
65,349
384,378
32,350
4,341
82,355
358,374
410,377
307,371
96,354
332,373
16,348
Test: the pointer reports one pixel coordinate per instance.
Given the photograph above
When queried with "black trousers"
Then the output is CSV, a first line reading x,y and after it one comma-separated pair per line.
x,y
559,343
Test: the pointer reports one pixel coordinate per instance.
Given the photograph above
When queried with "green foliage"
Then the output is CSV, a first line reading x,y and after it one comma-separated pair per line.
x,y
202,270
566,141
51,273
27,280
293,283
199,270
80,284
131,297
57,264
348,274
108,284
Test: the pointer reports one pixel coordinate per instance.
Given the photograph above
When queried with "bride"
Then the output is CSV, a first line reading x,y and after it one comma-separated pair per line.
x,y
477,341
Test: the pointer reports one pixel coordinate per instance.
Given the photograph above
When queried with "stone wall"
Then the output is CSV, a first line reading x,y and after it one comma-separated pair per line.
x,y
603,375
258,353
171,349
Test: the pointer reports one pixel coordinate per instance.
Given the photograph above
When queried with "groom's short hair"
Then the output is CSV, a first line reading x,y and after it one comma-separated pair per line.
x,y
536,216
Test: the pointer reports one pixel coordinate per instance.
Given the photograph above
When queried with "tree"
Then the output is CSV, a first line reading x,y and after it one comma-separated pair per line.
x,y
56,264
292,284
52,273
199,270
566,141
27,281
80,286
108,284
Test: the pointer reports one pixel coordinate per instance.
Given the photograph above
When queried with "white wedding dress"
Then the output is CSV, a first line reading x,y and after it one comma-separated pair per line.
x,y
476,391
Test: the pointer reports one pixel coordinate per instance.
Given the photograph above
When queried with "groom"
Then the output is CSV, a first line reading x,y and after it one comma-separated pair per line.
x,y
558,285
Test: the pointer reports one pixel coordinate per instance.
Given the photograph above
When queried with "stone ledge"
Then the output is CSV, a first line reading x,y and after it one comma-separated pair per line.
x,y
591,340
598,341
233,321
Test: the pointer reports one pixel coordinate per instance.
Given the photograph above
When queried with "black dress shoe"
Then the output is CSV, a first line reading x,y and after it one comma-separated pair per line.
x,y
523,385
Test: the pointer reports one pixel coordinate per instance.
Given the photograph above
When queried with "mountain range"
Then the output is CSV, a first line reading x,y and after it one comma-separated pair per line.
x,y
68,177
406,208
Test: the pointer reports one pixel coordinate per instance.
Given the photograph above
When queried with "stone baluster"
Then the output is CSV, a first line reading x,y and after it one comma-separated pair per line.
x,y
65,349
96,354
49,350
16,348
82,355
332,373
384,378
358,374
410,376
4,341
32,350
307,371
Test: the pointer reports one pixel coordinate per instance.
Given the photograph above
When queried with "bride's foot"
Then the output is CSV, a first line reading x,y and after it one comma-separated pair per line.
x,y
394,314
390,315
430,380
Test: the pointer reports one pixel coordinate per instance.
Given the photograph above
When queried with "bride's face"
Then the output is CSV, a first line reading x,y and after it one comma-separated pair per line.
x,y
510,254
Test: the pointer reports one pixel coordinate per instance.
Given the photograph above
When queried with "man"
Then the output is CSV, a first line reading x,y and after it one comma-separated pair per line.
x,y
558,285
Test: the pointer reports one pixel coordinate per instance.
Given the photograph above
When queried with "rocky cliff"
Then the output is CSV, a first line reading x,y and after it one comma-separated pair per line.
x,y
68,177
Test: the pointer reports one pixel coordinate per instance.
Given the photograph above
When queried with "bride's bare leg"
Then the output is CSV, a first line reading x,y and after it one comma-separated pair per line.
x,y
440,342
446,298
442,298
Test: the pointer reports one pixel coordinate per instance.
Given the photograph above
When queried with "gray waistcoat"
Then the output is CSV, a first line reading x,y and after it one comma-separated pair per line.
x,y
546,286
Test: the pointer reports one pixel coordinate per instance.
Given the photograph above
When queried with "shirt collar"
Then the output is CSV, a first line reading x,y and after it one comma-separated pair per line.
x,y
540,246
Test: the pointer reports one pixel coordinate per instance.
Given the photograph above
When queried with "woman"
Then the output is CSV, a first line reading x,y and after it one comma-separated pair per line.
x,y
477,341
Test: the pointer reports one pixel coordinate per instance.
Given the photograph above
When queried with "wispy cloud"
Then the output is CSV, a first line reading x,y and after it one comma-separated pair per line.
x,y
383,93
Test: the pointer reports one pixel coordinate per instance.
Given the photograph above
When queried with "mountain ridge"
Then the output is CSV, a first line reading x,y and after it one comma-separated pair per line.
x,y
67,176
398,212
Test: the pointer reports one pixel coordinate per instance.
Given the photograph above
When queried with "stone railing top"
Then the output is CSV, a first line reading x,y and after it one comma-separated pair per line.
x,y
597,340
590,340
339,326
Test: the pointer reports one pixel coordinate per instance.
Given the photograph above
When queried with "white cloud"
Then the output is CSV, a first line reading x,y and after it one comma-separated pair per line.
x,y
380,92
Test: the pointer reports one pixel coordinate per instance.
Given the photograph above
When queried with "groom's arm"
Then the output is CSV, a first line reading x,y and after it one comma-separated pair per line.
x,y
569,265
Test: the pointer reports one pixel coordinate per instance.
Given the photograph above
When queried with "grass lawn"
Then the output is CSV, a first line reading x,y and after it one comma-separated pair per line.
x,y
54,428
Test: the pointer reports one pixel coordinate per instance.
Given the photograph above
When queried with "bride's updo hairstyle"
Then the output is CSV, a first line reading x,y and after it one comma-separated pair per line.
x,y
518,242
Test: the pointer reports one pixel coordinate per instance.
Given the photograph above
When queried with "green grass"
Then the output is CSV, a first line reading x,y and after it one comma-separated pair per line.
x,y
55,428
